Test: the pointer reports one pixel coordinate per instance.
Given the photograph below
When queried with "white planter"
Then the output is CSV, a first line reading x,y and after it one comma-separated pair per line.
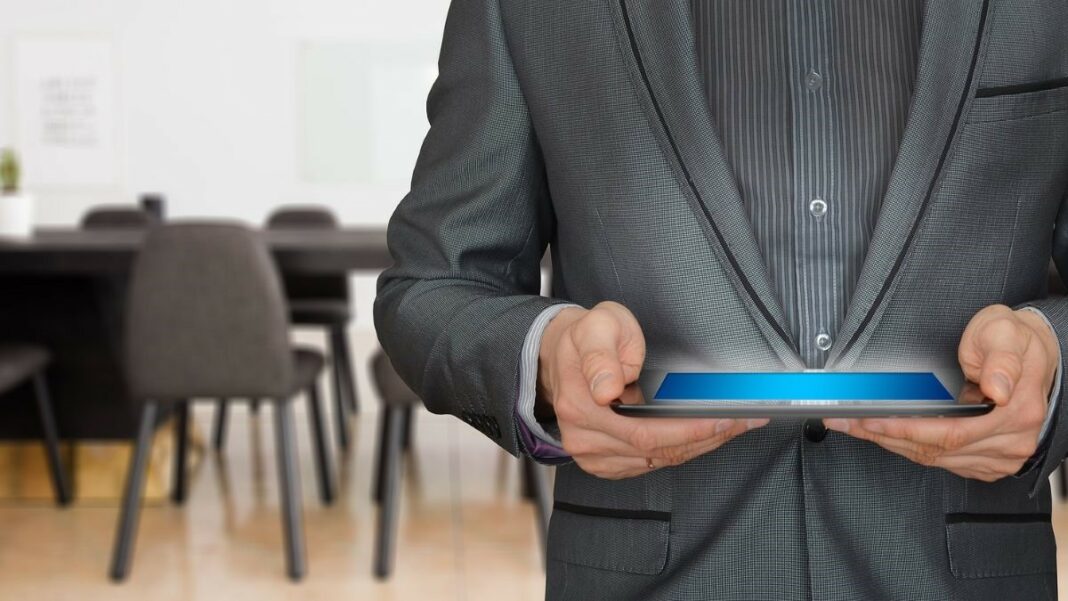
x,y
16,216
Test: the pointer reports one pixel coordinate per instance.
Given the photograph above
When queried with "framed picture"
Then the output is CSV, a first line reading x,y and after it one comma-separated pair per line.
x,y
65,110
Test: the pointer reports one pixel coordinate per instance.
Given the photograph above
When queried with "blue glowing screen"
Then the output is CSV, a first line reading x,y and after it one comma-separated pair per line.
x,y
803,386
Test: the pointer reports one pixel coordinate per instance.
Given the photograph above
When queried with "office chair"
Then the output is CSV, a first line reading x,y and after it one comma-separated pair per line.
x,y
21,364
118,217
207,318
398,404
315,300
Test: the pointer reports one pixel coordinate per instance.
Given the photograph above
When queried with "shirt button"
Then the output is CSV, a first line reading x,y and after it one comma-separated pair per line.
x,y
823,342
817,207
814,430
813,80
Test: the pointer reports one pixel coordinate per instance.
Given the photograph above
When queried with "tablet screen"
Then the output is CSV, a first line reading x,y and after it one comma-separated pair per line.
x,y
803,387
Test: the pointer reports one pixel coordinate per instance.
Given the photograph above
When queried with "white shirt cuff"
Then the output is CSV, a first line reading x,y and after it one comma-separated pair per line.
x,y
528,374
1055,392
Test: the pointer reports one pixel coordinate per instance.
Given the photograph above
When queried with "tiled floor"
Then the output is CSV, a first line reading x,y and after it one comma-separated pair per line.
x,y
464,532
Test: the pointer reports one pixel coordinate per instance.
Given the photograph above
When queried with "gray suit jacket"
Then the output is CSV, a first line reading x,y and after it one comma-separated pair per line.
x,y
581,124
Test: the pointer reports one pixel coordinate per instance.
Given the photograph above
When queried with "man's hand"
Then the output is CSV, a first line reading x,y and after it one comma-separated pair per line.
x,y
1012,356
589,358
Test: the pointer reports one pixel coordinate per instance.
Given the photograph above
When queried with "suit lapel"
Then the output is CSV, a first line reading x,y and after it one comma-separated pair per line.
x,y
950,50
657,41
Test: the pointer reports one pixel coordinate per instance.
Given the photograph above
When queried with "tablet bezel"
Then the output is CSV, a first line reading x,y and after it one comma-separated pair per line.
x,y
860,408
723,409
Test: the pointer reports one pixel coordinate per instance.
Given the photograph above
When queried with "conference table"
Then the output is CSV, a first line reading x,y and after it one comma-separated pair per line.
x,y
65,289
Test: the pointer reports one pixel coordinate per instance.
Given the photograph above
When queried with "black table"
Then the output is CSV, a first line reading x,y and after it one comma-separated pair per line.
x,y
65,290
107,252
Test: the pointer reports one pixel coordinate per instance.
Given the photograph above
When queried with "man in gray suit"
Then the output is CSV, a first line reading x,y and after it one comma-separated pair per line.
x,y
750,185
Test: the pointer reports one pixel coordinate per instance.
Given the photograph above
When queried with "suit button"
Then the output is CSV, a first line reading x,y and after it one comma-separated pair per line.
x,y
814,430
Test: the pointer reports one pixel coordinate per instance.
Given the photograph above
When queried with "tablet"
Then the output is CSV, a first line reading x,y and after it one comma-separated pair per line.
x,y
807,395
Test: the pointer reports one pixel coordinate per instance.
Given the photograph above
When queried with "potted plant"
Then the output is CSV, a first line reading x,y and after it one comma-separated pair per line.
x,y
16,208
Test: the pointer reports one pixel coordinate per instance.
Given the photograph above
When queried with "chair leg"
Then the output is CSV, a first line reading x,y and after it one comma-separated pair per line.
x,y
289,490
408,430
324,465
527,486
385,423
341,423
179,476
131,500
386,529
534,481
342,401
222,415
1063,481
345,375
60,481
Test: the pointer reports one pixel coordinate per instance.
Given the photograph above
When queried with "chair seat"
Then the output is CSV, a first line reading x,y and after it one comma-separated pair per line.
x,y
19,362
309,364
392,389
319,311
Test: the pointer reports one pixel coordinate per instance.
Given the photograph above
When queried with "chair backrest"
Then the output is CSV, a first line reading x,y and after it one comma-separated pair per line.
x,y
206,316
118,217
309,287
298,217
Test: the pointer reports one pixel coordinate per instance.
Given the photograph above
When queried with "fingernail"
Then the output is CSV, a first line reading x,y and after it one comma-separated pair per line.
x,y
724,425
756,423
601,377
837,424
1002,384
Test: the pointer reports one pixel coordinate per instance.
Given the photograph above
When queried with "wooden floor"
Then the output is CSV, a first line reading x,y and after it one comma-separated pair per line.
x,y
464,533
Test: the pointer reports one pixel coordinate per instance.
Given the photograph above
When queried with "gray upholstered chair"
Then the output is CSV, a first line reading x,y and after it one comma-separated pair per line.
x,y
206,318
316,300
22,364
118,217
398,402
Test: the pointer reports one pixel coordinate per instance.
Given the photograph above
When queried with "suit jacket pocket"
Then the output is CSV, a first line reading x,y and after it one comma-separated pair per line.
x,y
633,541
990,545
1018,104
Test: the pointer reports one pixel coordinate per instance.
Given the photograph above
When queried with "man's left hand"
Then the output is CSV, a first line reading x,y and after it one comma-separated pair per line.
x,y
1012,356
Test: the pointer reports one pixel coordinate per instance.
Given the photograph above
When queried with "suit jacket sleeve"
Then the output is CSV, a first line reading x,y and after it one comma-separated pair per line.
x,y
467,240
1054,445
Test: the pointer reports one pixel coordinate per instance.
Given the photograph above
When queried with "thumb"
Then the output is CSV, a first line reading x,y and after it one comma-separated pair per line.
x,y
1002,345
631,342
600,337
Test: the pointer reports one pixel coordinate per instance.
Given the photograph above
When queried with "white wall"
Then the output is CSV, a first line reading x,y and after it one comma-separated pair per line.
x,y
209,105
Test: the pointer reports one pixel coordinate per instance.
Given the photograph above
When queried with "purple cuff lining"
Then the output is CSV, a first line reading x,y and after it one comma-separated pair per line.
x,y
539,449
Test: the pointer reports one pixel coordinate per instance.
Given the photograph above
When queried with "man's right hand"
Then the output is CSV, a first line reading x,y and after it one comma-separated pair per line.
x,y
590,358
